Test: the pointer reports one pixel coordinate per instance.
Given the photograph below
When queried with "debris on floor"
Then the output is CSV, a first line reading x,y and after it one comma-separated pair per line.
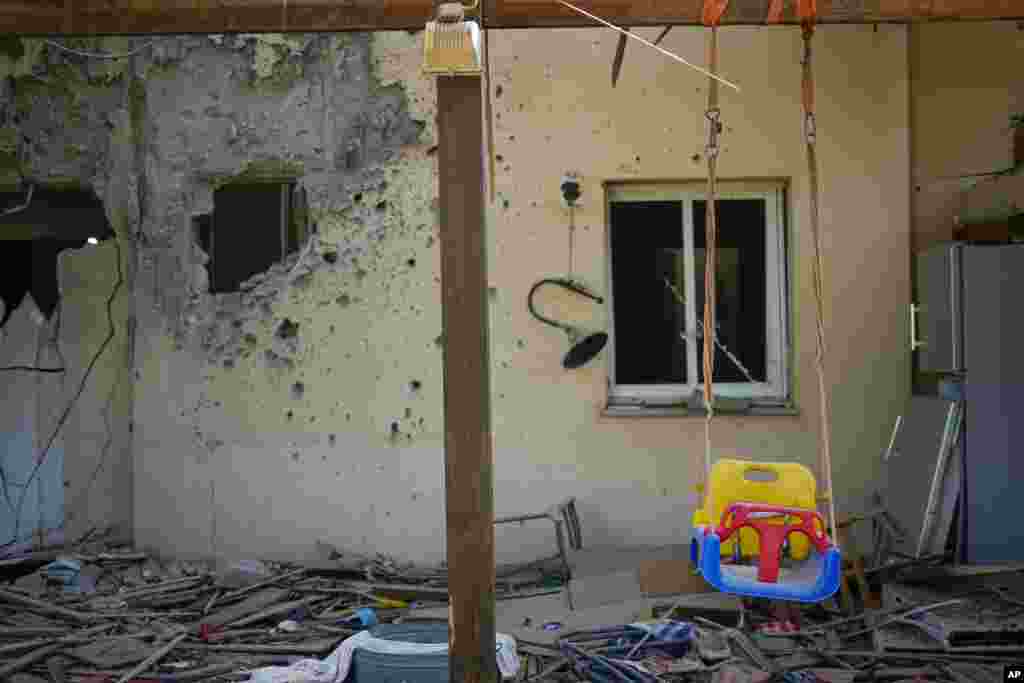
x,y
113,615
95,614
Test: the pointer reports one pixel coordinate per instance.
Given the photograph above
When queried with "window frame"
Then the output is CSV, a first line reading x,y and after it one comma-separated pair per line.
x,y
777,389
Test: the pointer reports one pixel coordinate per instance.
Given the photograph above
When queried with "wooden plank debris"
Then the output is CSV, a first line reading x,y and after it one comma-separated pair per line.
x,y
7,632
288,576
259,601
112,653
56,669
313,647
161,587
39,637
408,593
152,659
21,646
277,610
25,661
44,607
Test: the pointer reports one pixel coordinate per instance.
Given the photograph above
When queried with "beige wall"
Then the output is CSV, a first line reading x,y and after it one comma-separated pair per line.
x,y
97,436
655,116
966,85
221,468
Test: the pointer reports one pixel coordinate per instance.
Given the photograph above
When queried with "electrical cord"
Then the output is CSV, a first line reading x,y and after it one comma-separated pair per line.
x,y
22,206
104,452
74,400
30,368
564,283
100,55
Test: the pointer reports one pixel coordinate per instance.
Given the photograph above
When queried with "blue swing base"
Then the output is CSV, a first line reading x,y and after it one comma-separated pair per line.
x,y
813,580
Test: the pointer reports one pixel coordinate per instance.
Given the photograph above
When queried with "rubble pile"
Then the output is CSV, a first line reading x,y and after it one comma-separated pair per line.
x,y
114,615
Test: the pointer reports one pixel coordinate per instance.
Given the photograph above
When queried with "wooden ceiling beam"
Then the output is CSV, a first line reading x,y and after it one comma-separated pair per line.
x,y
139,17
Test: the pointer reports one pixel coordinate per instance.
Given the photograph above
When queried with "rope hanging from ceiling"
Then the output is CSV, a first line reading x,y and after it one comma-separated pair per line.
x,y
807,12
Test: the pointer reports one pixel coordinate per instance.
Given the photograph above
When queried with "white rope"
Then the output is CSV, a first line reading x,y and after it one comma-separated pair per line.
x,y
24,205
817,268
710,236
699,335
652,45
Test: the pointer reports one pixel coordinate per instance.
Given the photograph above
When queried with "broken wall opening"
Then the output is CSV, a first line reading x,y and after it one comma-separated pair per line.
x,y
252,227
35,227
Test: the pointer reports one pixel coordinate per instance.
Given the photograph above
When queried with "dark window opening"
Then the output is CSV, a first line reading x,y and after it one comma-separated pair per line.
x,y
647,247
31,268
740,287
252,227
657,253
39,227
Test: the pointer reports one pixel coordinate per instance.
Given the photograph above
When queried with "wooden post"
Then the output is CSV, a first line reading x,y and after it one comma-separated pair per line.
x,y
469,485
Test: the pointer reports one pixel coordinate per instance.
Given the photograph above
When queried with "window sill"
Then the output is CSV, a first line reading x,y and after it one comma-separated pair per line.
x,y
623,410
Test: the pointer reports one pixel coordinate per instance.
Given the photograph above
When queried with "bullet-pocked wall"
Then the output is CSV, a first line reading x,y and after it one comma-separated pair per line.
x,y
292,413
305,404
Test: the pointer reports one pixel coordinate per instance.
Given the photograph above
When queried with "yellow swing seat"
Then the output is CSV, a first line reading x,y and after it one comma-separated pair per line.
x,y
783,484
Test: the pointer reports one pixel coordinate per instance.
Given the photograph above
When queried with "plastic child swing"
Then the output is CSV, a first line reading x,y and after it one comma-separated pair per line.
x,y
755,513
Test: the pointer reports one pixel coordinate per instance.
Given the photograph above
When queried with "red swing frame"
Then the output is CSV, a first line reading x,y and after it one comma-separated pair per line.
x,y
771,536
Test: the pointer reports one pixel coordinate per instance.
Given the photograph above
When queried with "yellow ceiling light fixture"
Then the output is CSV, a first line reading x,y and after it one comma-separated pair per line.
x,y
451,44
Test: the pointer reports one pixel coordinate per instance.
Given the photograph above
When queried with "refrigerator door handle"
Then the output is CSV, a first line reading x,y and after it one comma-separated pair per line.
x,y
915,343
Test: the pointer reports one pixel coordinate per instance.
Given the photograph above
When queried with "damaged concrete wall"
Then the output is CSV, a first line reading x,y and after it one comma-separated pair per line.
x,y
282,414
66,125
32,497
963,101
98,441
66,458
290,414
68,454
307,406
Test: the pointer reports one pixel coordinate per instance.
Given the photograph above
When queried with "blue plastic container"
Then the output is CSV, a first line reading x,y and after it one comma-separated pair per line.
x,y
370,667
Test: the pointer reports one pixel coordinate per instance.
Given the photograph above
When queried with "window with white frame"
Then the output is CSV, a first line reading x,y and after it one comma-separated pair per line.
x,y
656,246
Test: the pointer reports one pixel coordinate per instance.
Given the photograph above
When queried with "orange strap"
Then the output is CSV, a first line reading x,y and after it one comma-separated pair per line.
x,y
808,75
807,11
713,11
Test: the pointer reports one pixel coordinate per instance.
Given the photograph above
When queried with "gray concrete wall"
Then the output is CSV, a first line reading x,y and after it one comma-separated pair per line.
x,y
31,497
66,124
64,452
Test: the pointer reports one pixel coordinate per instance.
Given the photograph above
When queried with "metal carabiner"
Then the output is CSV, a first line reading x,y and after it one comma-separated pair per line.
x,y
810,127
